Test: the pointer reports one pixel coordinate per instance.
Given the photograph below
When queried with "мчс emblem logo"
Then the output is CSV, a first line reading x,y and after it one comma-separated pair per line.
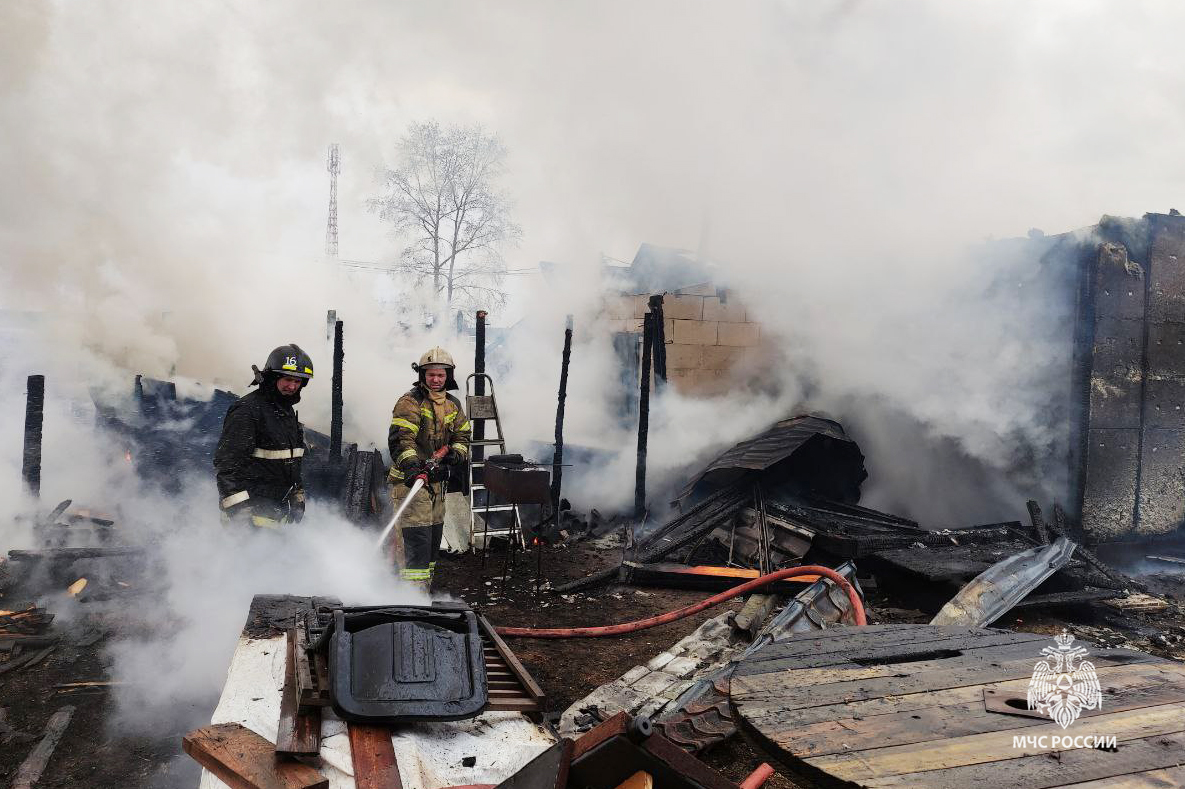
x,y
1061,689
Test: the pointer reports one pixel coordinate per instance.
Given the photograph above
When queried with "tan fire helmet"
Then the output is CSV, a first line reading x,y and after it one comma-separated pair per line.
x,y
437,356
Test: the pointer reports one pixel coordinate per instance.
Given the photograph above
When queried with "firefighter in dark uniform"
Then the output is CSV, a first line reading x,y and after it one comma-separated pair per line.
x,y
258,459
429,436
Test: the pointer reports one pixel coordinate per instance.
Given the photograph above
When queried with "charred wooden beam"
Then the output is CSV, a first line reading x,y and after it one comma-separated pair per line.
x,y
299,730
660,339
34,419
643,418
335,423
479,383
30,770
1038,520
557,458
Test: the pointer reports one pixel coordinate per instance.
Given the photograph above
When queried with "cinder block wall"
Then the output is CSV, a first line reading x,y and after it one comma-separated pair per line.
x,y
709,335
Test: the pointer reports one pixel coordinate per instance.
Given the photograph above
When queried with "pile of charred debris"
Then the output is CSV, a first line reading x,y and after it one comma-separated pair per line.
x,y
787,498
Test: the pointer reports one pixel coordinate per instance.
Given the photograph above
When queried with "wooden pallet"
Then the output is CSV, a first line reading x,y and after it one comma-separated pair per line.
x,y
905,705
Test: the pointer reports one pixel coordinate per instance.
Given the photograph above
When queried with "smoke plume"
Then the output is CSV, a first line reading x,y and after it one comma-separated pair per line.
x,y
164,200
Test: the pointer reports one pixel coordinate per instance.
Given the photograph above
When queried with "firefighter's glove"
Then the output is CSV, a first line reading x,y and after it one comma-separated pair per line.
x,y
437,473
297,505
453,458
238,514
410,475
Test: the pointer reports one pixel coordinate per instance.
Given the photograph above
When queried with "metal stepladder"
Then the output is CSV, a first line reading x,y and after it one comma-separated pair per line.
x,y
485,408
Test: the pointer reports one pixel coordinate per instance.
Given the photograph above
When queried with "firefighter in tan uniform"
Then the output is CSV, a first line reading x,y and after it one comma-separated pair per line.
x,y
429,436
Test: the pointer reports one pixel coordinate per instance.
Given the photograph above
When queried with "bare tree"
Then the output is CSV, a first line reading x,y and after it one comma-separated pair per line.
x,y
442,198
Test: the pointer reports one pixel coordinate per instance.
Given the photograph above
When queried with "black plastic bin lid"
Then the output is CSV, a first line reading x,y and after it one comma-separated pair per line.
x,y
406,663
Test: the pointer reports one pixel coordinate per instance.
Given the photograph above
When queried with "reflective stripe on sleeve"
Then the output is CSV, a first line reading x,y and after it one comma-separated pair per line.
x,y
234,499
404,423
450,418
264,523
278,454
460,449
464,427
405,454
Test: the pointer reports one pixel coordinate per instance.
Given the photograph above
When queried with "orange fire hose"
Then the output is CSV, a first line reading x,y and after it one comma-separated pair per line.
x,y
671,616
758,777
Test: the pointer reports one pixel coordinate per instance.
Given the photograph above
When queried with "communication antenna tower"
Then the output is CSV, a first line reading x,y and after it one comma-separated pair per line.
x,y
334,167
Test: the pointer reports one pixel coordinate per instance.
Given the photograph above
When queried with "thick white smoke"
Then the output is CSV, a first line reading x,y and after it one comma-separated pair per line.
x,y
163,212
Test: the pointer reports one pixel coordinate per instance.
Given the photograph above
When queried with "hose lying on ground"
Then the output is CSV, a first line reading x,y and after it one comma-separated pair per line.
x,y
671,616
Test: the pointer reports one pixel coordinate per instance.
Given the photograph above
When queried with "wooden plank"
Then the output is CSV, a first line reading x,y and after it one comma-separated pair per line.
x,y
10,640
373,756
1150,779
1139,601
796,697
35,763
1041,772
768,705
764,660
521,704
847,672
26,659
937,723
990,746
299,730
242,759
850,639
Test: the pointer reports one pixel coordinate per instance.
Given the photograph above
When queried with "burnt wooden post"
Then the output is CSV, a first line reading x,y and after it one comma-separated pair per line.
x,y
643,417
34,419
335,423
557,458
660,340
479,382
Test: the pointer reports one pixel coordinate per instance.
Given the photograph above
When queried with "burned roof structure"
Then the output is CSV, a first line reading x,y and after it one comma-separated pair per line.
x,y
811,454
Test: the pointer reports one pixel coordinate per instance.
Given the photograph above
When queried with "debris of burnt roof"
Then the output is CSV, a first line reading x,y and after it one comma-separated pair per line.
x,y
807,454
169,437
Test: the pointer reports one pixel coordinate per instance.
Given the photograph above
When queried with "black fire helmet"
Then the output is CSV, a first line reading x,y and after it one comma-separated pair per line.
x,y
287,360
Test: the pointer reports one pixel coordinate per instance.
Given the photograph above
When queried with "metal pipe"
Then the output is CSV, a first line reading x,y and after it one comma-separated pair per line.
x,y
335,422
643,417
34,419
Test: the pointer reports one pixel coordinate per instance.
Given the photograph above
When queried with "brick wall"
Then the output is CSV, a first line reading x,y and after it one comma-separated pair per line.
x,y
709,335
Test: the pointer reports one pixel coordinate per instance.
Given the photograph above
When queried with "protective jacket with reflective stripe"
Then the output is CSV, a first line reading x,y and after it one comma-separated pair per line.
x,y
260,451
415,432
